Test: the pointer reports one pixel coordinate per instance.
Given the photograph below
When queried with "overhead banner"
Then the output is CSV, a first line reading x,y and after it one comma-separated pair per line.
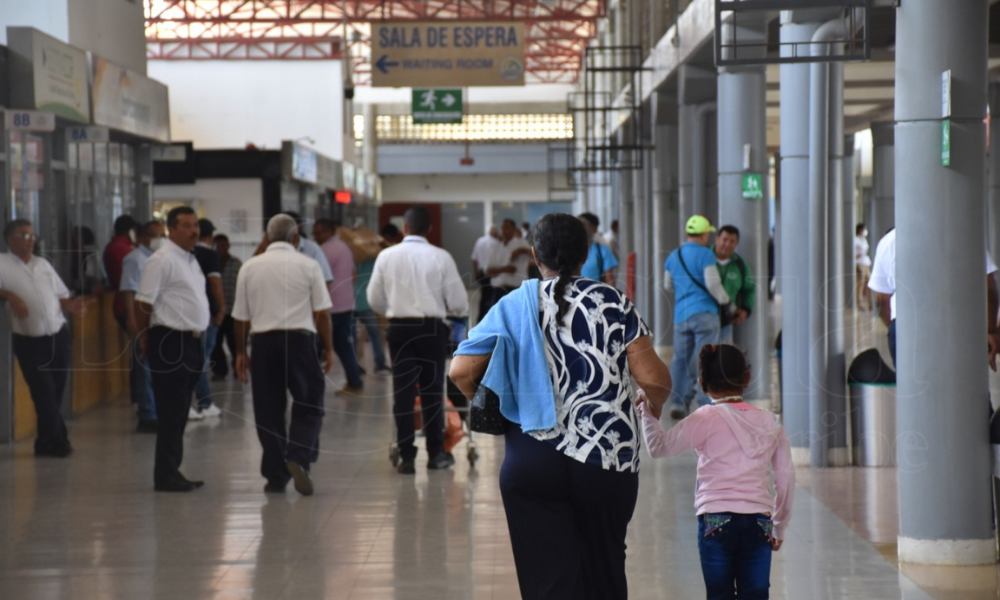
x,y
130,102
471,53
47,74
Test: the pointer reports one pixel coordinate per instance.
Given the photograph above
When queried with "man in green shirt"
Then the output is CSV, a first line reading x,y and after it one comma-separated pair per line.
x,y
736,279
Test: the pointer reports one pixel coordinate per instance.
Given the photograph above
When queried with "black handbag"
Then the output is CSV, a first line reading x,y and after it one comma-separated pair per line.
x,y
484,413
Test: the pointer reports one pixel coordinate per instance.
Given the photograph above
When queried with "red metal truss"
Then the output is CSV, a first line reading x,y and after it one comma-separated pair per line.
x,y
558,31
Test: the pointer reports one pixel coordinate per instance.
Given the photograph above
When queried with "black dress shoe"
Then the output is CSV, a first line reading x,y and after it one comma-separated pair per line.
x,y
56,450
146,427
406,467
300,477
442,460
196,483
177,484
273,488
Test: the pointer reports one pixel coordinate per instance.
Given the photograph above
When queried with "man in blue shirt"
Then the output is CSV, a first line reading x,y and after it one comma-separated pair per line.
x,y
691,272
601,262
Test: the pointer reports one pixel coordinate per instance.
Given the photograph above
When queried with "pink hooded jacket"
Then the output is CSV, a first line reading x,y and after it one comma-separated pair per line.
x,y
737,446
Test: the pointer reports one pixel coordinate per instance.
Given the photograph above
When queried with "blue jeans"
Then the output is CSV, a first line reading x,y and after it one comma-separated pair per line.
x,y
735,552
140,384
343,326
726,334
203,391
689,336
369,320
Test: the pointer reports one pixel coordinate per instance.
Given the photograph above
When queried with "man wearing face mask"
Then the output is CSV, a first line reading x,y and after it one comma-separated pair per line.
x,y
115,252
140,381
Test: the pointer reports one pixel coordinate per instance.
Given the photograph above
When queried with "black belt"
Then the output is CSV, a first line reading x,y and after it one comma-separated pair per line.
x,y
415,320
195,334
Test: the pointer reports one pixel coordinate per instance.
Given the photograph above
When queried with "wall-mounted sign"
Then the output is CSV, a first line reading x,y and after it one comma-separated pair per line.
x,y
303,164
47,74
169,153
29,120
946,143
436,106
753,186
129,101
434,54
88,134
350,172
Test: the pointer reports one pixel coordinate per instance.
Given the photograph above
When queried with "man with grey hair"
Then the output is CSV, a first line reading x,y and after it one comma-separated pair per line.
x,y
283,302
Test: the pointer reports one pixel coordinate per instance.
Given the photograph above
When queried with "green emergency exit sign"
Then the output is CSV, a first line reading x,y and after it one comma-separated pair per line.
x,y
753,186
437,106
946,143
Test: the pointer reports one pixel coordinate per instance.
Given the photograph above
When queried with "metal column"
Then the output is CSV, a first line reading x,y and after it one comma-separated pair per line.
x,y
993,206
742,149
849,191
665,215
883,205
793,270
640,220
943,451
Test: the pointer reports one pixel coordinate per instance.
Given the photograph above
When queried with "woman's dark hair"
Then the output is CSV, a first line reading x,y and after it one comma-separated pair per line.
x,y
561,244
723,368
859,228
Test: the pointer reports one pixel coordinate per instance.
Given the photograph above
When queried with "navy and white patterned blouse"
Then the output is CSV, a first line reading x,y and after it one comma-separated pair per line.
x,y
596,421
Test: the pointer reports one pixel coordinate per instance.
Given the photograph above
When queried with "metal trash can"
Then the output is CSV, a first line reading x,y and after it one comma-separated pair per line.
x,y
873,411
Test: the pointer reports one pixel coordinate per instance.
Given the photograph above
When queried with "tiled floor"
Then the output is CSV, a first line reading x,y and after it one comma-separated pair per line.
x,y
91,527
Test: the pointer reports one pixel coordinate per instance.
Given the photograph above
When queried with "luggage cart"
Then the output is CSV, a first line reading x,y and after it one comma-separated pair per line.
x,y
460,403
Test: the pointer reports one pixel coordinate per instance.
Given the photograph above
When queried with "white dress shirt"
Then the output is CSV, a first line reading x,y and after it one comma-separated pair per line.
x,y
483,249
312,250
280,290
39,286
173,284
414,279
500,257
132,268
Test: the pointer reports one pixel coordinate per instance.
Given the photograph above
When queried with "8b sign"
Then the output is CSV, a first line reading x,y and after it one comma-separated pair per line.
x,y
29,120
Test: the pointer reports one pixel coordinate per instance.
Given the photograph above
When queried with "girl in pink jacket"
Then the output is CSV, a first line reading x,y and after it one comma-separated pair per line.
x,y
740,522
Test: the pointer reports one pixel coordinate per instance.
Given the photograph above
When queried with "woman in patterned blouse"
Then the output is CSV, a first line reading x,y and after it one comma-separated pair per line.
x,y
569,491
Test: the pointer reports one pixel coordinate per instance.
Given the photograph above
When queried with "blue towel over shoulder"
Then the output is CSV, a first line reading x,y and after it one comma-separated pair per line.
x,y
518,372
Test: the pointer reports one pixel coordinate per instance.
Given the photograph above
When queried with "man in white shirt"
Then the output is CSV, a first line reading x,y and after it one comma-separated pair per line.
x,y
883,283
508,262
480,257
36,298
171,316
283,302
862,267
416,285
150,238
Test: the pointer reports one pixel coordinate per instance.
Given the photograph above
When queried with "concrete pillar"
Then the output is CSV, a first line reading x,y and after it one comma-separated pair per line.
x,y
993,206
883,206
793,270
849,190
640,221
665,215
943,451
685,164
696,90
837,275
742,149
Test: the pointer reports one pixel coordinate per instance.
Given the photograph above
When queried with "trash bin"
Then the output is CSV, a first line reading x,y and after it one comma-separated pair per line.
x,y
873,410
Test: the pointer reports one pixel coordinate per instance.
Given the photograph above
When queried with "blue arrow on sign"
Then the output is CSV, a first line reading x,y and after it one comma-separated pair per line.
x,y
383,63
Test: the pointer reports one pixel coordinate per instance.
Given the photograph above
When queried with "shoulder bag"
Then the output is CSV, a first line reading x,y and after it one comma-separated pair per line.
x,y
726,312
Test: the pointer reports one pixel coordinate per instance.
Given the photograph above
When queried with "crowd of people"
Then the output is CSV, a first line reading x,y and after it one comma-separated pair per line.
x,y
567,354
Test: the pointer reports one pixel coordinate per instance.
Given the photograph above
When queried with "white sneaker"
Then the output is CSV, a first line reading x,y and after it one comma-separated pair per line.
x,y
195,415
211,411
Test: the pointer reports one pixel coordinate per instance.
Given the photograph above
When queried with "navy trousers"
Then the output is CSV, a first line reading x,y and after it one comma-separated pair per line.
x,y
418,348
45,364
176,361
285,362
567,522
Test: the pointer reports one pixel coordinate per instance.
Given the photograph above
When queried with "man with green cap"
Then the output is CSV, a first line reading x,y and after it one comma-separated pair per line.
x,y
691,272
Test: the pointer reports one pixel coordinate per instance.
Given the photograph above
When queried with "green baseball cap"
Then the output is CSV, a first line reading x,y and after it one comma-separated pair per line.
x,y
698,225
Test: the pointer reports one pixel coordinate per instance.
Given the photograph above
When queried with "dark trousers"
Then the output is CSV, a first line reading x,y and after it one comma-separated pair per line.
x,y
283,362
417,348
486,299
892,343
343,346
225,337
176,361
45,364
735,552
567,522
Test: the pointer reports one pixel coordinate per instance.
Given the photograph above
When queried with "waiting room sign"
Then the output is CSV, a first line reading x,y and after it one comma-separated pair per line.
x,y
433,54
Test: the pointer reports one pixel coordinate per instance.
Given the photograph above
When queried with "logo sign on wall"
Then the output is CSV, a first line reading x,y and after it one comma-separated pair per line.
x,y
57,72
472,53
129,101
436,106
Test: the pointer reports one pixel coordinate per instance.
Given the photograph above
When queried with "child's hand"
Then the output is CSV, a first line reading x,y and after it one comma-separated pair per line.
x,y
776,544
